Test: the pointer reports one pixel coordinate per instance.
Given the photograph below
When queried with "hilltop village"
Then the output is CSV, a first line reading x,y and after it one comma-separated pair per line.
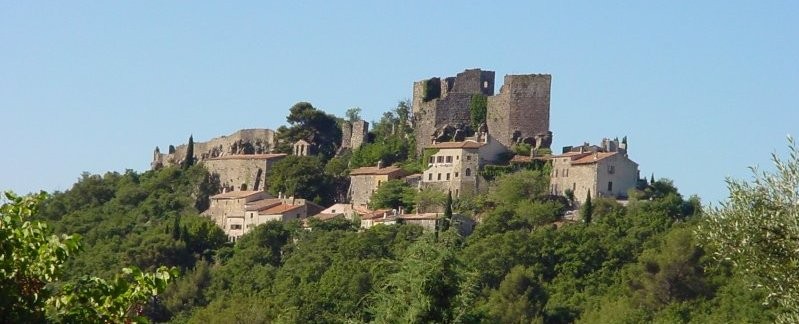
x,y
464,135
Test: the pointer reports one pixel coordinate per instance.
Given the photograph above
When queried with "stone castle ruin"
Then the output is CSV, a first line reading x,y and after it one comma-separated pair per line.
x,y
353,134
518,114
240,160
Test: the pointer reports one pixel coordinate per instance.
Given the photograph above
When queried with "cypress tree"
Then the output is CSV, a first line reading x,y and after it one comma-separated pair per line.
x,y
652,179
189,160
176,228
447,212
588,209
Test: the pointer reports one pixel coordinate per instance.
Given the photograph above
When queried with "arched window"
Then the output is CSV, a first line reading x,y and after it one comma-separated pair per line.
x,y
468,172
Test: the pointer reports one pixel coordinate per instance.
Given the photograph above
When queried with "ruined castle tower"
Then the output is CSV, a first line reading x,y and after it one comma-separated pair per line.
x,y
437,102
519,113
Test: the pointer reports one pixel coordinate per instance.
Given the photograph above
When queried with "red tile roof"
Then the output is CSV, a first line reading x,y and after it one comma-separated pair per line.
x,y
461,145
263,204
390,170
279,209
235,194
593,158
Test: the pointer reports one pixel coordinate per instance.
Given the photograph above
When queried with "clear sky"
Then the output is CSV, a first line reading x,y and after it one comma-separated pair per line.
x,y
702,89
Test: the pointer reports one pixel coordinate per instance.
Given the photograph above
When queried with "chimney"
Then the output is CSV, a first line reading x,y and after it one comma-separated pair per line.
x,y
380,164
582,149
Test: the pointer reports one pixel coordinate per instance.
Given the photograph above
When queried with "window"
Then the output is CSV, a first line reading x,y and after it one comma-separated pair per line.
x,y
468,172
611,169
439,176
440,159
379,182
431,160
235,226
566,172
449,159
556,173
610,185
447,176
485,84
456,174
430,176
457,157
468,158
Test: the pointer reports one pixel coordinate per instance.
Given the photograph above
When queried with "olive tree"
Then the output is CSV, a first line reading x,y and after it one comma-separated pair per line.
x,y
757,230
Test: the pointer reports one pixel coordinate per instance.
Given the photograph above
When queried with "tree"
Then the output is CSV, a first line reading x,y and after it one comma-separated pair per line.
x,y
447,212
588,209
312,125
189,159
478,107
353,114
393,194
31,260
301,176
758,230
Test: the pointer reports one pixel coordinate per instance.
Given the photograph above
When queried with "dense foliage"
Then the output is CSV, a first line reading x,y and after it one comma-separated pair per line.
x,y
640,262
31,264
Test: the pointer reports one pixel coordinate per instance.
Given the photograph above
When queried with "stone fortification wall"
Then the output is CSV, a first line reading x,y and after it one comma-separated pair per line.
x,y
245,141
242,172
521,109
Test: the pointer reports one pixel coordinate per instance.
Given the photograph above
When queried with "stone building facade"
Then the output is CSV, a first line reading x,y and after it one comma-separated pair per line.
x,y
238,212
365,181
519,113
455,166
227,210
604,174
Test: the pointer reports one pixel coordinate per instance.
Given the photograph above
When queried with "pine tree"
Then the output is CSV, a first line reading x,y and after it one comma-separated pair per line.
x,y
189,160
652,179
588,209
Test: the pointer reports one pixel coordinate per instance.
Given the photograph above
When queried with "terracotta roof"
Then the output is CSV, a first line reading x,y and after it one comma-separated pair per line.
x,y
378,214
421,216
462,145
249,157
324,217
528,159
375,170
235,194
593,158
279,209
262,204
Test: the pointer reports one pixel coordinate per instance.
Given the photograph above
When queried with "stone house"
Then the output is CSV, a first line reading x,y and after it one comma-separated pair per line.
x,y
428,221
605,174
238,212
455,166
228,209
349,211
365,181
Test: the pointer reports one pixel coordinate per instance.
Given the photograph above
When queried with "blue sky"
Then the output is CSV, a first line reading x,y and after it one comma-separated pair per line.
x,y
702,89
